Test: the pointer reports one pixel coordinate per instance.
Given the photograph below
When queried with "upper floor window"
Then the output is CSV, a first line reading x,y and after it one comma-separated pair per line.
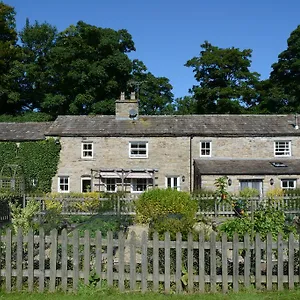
x,y
138,149
205,148
63,184
87,150
282,148
288,184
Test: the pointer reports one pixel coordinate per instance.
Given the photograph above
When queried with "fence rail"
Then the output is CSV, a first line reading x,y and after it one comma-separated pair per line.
x,y
208,205
63,261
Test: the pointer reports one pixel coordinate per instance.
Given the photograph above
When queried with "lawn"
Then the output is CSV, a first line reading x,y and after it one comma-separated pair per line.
x,y
112,295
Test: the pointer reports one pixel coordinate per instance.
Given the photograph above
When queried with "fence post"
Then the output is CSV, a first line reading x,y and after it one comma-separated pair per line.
x,y
19,259
8,259
53,257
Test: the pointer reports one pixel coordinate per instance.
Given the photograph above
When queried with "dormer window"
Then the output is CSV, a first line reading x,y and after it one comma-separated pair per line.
x,y
282,148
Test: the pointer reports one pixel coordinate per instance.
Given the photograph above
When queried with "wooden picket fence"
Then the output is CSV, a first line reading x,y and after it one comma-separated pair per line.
x,y
137,263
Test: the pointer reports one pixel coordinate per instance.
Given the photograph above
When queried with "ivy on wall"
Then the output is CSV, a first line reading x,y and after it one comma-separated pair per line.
x,y
38,159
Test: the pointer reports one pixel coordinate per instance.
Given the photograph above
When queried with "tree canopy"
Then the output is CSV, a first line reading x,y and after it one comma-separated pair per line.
x,y
84,68
226,85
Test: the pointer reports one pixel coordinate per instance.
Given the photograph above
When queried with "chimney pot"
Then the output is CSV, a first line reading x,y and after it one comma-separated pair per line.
x,y
122,97
132,96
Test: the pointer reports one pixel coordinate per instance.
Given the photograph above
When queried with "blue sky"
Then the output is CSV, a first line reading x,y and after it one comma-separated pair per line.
x,y
169,32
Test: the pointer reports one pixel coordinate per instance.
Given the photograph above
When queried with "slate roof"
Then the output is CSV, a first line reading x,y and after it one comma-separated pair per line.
x,y
189,125
246,166
28,131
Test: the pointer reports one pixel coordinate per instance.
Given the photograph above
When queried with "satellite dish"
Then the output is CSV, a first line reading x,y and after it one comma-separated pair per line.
x,y
132,114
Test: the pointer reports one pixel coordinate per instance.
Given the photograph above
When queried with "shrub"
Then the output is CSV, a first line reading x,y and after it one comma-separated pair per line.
x,y
167,210
264,221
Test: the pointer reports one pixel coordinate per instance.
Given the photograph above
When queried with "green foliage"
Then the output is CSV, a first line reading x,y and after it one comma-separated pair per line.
x,y
104,224
264,221
38,159
221,193
23,217
286,75
167,210
226,84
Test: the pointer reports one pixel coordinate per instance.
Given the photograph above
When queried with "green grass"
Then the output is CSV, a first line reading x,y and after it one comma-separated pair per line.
x,y
113,295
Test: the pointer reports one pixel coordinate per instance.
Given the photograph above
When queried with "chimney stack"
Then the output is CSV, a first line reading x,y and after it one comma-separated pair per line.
x,y
127,109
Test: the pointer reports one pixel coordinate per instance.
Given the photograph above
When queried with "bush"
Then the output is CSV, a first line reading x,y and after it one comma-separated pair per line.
x,y
167,210
264,221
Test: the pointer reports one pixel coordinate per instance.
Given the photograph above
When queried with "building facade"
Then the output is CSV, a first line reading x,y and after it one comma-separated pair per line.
x,y
132,153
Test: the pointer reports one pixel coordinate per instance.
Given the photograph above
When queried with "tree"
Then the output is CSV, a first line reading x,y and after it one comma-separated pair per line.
x,y
89,67
226,84
286,74
185,106
9,55
37,42
155,93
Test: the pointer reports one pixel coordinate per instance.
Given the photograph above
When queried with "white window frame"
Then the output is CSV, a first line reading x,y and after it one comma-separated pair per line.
x,y
282,148
288,181
66,183
170,182
138,155
87,151
203,147
106,184
132,184
86,178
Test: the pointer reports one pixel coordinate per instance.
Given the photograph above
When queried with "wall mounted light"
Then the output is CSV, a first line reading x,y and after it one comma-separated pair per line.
x,y
271,181
229,182
183,178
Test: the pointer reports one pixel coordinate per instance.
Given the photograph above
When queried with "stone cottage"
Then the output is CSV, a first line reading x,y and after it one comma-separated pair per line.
x,y
131,153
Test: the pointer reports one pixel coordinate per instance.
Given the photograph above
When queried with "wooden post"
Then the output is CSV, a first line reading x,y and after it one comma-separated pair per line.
x,y
30,261
144,262
235,260
224,264
133,261
257,261
19,260
75,260
64,260
99,256
213,265
87,256
269,262
291,261
155,262
201,263
8,250
110,259
121,247
53,258
247,260
178,262
41,260
190,253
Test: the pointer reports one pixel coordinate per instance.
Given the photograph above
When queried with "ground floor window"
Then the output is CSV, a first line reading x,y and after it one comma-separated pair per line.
x,y
252,184
63,184
173,182
288,184
139,185
86,185
110,185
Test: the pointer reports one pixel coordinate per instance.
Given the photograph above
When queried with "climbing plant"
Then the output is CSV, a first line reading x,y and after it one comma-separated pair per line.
x,y
38,159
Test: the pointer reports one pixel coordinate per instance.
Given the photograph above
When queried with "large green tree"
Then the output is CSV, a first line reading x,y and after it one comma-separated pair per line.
x,y
88,67
286,75
37,41
226,84
9,55
155,93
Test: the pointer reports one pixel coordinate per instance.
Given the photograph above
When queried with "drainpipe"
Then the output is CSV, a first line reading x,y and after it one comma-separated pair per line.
x,y
191,162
